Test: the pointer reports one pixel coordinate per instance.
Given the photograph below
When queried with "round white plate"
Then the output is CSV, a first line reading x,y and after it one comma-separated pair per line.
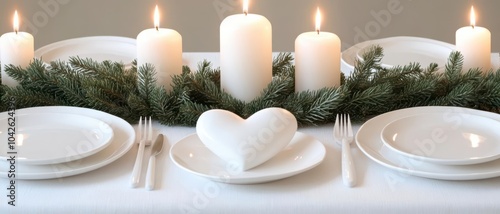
x,y
303,153
369,142
100,48
437,138
50,138
123,140
401,51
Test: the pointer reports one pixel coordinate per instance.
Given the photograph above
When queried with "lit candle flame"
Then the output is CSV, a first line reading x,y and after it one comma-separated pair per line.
x,y
16,22
318,20
157,18
245,7
472,17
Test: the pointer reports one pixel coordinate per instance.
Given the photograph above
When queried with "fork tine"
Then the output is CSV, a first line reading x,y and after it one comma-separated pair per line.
x,y
341,125
344,130
349,127
150,131
144,131
336,126
345,125
140,128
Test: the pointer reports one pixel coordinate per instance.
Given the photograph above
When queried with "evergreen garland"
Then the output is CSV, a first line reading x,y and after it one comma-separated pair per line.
x,y
132,92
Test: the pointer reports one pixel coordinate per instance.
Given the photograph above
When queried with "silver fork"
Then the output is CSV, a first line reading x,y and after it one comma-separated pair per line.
x,y
145,138
342,132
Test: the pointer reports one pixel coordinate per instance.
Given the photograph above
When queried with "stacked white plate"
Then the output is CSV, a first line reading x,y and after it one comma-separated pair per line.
x,y
54,142
449,143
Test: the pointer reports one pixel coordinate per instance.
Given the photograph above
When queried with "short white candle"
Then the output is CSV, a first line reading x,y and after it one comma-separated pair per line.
x,y
246,60
161,48
17,48
475,45
317,59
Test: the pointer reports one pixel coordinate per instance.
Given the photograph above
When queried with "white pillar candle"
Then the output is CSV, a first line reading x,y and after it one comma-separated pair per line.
x,y
246,60
17,48
317,59
161,48
475,45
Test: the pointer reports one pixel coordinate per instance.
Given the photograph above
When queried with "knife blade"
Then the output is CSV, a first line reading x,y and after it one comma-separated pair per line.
x,y
157,148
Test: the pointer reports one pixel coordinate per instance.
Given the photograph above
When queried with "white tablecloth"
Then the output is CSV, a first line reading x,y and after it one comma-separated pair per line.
x,y
319,190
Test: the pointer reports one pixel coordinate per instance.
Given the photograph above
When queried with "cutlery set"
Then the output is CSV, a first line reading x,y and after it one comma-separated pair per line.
x,y
145,135
342,133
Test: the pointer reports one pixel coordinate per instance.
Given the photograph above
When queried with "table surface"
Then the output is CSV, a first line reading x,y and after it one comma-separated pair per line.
x,y
319,190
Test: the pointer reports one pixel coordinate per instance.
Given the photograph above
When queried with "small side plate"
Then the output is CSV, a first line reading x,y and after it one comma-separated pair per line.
x,y
444,138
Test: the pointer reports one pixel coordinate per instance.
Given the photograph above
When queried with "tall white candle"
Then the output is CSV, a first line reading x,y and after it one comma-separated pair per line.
x,y
317,59
161,48
17,48
475,45
245,54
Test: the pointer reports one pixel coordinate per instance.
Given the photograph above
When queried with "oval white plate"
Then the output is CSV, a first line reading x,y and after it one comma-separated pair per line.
x,y
399,44
303,153
369,142
100,48
405,50
439,138
50,138
123,140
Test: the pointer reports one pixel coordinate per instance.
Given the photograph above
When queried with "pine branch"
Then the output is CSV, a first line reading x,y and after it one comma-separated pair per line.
x,y
282,62
314,107
360,78
28,98
130,93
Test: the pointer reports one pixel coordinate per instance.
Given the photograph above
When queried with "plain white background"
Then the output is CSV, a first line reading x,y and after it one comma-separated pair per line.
x,y
198,21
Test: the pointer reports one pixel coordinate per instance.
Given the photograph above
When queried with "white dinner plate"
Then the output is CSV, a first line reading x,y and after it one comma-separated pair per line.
x,y
50,138
438,138
99,48
123,140
401,50
303,153
369,142
405,50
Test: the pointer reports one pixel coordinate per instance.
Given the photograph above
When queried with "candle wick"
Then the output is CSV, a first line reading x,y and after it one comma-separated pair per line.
x,y
156,28
246,13
16,32
472,26
317,31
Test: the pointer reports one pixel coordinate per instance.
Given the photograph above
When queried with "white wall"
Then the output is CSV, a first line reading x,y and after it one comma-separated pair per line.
x,y
198,20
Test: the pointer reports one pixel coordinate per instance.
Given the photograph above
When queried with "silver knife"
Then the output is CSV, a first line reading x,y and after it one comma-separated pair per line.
x,y
157,148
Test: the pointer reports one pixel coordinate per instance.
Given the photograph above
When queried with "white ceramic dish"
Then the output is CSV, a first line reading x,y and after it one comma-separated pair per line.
x,y
405,50
303,153
50,138
100,48
123,140
438,138
369,142
401,50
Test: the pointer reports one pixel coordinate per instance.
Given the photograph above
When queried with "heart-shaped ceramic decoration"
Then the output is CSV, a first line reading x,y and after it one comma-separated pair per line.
x,y
245,144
